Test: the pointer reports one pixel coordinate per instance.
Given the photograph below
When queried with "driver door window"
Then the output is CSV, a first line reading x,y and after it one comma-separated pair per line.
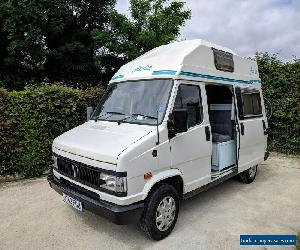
x,y
189,98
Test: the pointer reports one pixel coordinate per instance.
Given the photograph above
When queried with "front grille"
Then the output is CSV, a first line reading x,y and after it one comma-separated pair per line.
x,y
79,189
85,174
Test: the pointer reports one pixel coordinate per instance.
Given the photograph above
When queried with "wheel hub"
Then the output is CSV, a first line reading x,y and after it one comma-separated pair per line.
x,y
165,213
252,171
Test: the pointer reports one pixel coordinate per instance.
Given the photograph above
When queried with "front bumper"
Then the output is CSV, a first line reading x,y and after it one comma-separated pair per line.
x,y
120,215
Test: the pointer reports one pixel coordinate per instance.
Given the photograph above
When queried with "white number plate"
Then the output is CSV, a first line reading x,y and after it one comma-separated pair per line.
x,y
73,202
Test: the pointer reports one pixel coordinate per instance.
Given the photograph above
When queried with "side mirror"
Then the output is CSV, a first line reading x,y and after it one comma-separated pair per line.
x,y
177,122
89,112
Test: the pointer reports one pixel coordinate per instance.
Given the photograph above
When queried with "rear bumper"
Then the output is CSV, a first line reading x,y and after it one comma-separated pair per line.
x,y
120,215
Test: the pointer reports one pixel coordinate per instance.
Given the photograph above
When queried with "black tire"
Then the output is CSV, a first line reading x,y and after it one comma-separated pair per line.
x,y
148,220
248,176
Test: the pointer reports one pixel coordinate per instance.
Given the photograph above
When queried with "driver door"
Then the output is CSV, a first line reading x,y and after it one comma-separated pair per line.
x,y
191,151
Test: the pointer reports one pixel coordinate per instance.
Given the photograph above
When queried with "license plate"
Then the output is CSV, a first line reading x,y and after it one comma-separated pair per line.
x,y
73,202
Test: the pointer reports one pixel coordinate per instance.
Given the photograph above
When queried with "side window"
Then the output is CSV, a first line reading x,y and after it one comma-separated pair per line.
x,y
189,98
223,60
256,101
251,104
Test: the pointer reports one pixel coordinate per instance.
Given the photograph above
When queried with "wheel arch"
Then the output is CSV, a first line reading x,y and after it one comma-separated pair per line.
x,y
172,177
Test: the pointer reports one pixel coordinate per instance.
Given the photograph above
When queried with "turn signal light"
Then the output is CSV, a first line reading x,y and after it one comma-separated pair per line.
x,y
148,176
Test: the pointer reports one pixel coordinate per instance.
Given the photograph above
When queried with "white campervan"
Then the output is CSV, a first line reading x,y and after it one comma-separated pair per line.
x,y
172,123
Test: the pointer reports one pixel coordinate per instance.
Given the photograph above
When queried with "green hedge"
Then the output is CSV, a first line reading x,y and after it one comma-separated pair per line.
x,y
7,139
281,85
32,118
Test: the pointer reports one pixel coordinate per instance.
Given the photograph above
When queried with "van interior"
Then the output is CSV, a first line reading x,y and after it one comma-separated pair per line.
x,y
222,121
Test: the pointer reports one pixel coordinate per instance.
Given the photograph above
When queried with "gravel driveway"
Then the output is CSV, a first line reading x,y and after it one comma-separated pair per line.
x,y
33,216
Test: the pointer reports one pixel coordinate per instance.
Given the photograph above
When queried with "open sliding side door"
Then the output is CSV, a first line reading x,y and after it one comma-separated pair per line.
x,y
251,138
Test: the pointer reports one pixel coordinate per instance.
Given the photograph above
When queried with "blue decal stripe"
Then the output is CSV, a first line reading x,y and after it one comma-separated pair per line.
x,y
164,72
117,77
209,77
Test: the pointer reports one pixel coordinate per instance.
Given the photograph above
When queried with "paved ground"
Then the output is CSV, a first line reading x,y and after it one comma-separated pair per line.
x,y
32,216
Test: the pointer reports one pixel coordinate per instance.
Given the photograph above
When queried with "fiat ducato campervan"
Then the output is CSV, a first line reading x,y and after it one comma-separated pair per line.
x,y
172,123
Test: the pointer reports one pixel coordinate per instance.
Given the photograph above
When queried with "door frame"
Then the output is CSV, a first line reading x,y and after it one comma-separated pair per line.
x,y
237,126
245,123
206,178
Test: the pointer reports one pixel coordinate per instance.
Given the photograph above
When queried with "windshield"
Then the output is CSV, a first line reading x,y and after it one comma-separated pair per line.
x,y
142,102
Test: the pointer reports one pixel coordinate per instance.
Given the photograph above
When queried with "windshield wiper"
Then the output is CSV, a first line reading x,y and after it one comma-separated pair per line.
x,y
115,113
147,116
97,117
111,113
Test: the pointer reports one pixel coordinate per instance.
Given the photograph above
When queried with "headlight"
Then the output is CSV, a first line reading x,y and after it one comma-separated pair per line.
x,y
113,183
54,158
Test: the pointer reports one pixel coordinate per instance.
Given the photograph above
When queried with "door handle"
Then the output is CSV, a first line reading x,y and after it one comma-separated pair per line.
x,y
242,129
207,133
264,125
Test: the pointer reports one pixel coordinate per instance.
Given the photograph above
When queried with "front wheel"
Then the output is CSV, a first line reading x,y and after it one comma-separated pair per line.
x,y
248,175
161,212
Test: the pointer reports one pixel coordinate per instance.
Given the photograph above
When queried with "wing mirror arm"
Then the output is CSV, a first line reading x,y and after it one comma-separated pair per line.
x,y
171,129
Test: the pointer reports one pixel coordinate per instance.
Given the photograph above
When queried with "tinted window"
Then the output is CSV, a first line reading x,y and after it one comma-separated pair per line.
x,y
251,104
256,101
223,60
188,98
